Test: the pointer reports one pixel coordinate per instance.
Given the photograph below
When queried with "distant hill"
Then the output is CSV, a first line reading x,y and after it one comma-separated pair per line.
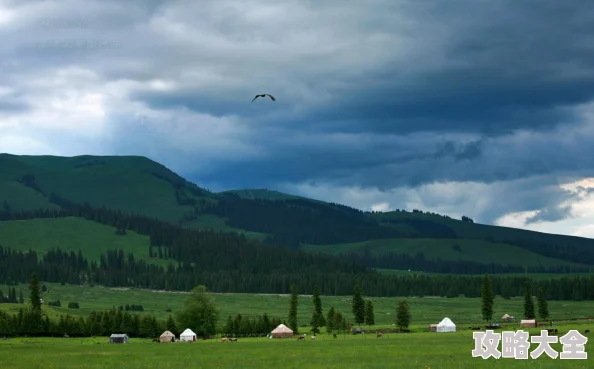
x,y
391,240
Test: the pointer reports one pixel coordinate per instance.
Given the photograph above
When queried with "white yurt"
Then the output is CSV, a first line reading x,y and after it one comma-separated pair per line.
x,y
446,325
187,336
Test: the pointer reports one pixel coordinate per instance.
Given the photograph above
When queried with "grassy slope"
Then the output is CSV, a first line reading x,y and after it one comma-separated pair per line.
x,y
424,310
72,234
475,230
470,250
126,183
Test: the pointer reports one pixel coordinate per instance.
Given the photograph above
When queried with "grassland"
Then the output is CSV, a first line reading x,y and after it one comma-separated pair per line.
x,y
73,234
424,311
479,251
417,350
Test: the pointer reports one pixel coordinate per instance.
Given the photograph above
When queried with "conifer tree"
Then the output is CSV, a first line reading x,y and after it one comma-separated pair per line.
x,y
358,307
528,302
330,327
403,316
543,308
488,298
317,316
369,314
294,302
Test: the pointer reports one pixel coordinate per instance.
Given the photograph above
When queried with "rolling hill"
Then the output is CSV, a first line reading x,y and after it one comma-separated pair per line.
x,y
140,186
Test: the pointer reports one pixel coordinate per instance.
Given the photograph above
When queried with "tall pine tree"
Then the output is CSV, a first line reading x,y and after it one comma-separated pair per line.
x,y
369,314
35,293
358,305
543,307
403,316
488,298
317,318
294,302
528,302
330,327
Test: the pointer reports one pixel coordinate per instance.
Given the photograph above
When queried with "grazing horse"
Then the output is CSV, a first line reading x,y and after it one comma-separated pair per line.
x,y
301,338
379,335
232,339
334,335
224,339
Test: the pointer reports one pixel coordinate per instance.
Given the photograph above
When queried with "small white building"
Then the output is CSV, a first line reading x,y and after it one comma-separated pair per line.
x,y
446,325
187,336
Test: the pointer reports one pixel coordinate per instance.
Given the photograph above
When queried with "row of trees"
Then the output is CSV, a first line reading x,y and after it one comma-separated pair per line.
x,y
116,269
488,301
11,298
418,261
335,321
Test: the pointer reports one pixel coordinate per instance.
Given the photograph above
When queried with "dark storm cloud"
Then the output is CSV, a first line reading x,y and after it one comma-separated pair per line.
x,y
378,94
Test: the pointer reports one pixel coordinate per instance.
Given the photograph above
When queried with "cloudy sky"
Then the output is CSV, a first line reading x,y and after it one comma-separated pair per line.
x,y
482,108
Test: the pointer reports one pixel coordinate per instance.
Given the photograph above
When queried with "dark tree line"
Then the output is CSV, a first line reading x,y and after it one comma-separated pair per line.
x,y
10,298
28,322
242,326
117,270
295,221
418,262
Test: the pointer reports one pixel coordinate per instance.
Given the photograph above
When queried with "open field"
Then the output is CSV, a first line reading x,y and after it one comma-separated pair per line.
x,y
424,310
479,251
417,350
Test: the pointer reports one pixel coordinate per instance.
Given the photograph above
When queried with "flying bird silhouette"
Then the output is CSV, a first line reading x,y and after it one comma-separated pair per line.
x,y
264,95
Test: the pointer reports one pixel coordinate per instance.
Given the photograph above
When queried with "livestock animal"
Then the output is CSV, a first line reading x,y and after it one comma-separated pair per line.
x,y
379,335
232,339
334,335
301,338
224,339
313,338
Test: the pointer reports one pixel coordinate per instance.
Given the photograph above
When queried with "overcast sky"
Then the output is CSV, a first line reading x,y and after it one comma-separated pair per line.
x,y
482,108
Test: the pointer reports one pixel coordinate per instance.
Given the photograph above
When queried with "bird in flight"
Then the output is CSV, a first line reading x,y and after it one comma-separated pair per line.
x,y
264,95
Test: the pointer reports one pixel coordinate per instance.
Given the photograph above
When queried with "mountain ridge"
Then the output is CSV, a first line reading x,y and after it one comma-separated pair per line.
x,y
139,185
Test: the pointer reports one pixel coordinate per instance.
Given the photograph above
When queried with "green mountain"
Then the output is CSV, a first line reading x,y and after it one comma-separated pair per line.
x,y
139,186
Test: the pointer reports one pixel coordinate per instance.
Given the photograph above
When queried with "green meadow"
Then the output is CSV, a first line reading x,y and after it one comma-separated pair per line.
x,y
426,310
427,350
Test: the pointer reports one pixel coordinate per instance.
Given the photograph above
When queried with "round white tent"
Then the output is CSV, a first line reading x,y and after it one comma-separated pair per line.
x,y
282,331
446,325
187,336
